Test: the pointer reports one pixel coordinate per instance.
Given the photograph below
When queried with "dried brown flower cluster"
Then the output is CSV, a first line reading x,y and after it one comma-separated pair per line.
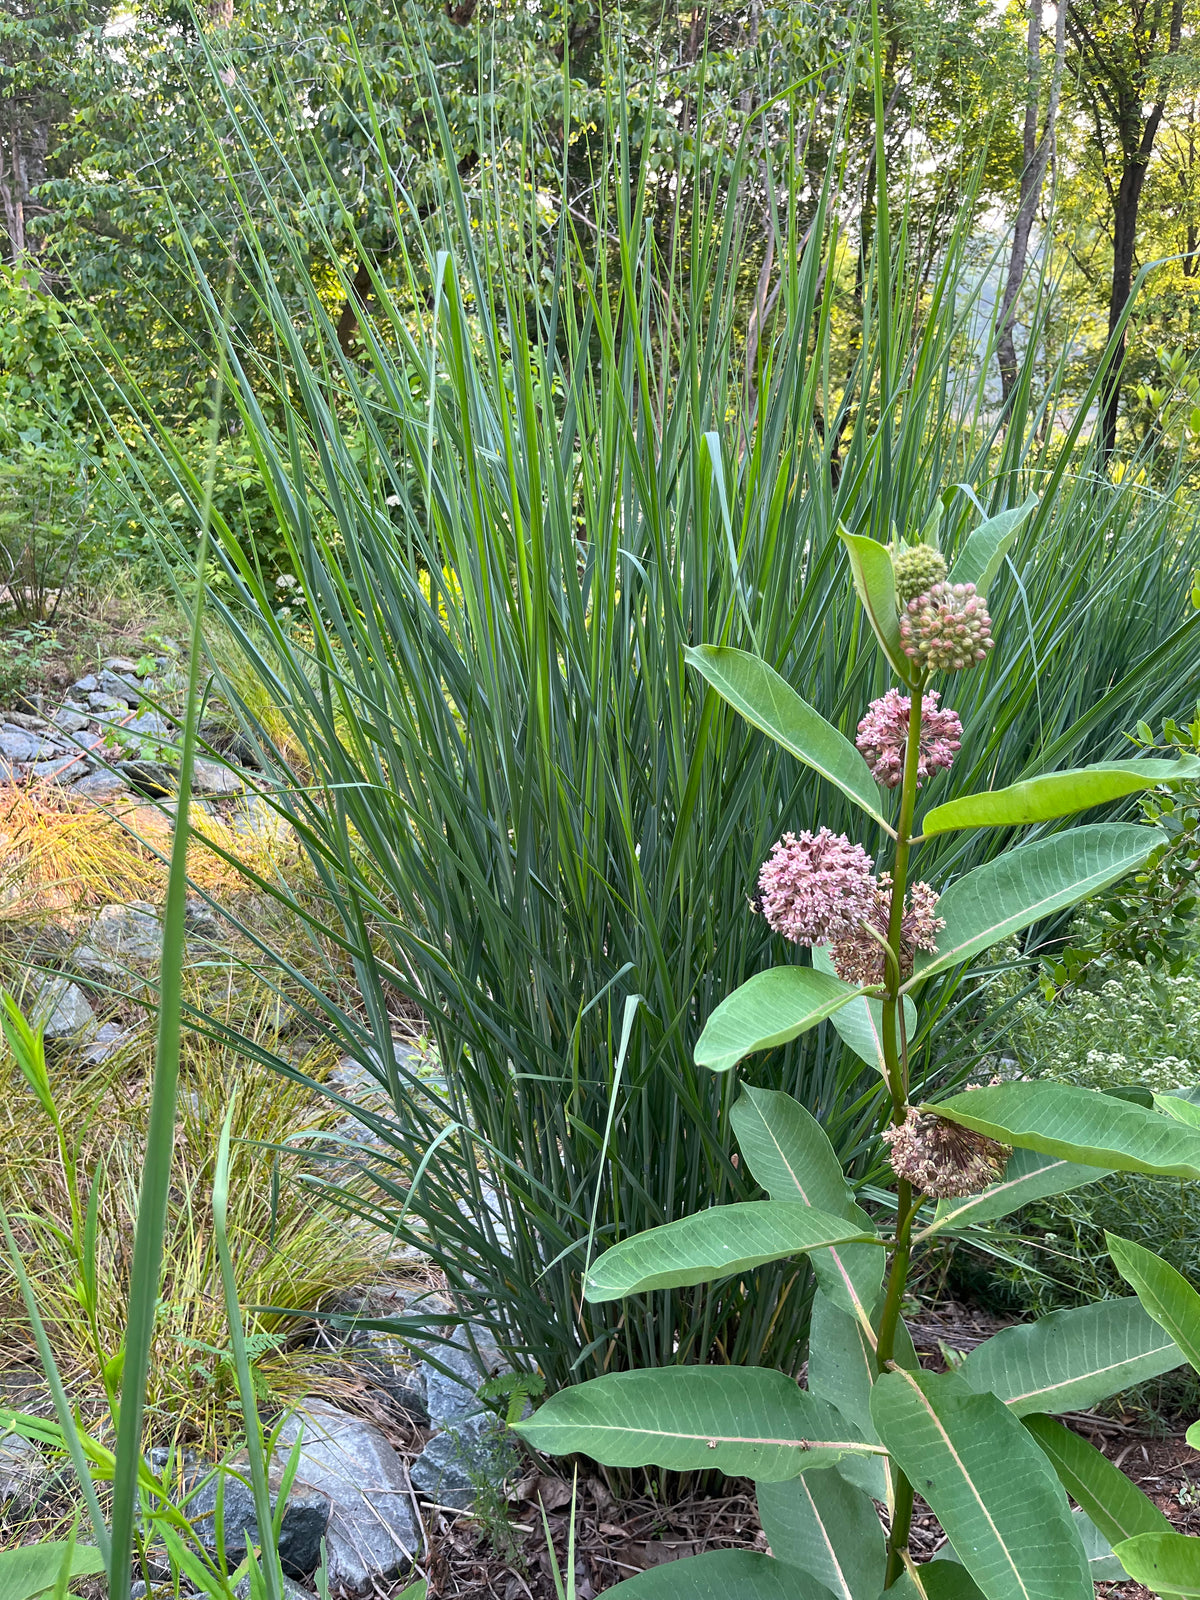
x,y
942,1159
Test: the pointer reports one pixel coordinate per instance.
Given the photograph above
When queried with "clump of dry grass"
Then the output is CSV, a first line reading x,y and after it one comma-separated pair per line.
x,y
62,854
290,1249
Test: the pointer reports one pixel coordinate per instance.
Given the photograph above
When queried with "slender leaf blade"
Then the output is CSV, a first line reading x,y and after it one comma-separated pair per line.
x,y
1165,1293
1069,1360
1081,1125
1056,794
744,1421
988,1484
1029,883
769,703
715,1244
768,1010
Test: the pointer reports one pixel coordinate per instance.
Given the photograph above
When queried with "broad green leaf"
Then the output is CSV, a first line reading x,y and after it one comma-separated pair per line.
x,y
1029,1176
415,1591
1029,883
1082,1125
988,1484
860,1024
789,1154
829,1529
33,1569
1118,1507
716,1244
979,559
841,1370
947,1580
1193,1435
747,1422
1056,794
1102,1563
770,704
1069,1360
769,1009
1168,1563
1182,1110
720,1575
1165,1293
875,581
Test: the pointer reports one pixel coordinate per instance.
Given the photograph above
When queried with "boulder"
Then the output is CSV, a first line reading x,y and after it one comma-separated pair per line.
x,y
89,684
305,1518
150,778
69,720
120,686
61,766
213,777
16,744
106,702
462,1458
101,786
62,1009
373,1533
23,1474
120,935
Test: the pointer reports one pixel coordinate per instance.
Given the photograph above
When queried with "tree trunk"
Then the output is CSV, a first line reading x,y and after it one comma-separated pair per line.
x,y
1037,156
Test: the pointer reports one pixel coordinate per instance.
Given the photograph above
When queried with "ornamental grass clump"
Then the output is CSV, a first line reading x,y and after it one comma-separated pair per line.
x,y
887,950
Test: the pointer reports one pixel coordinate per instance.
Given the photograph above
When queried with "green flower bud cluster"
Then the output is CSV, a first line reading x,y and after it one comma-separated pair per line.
x,y
917,567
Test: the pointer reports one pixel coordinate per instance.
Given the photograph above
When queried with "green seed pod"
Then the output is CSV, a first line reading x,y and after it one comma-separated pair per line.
x,y
918,567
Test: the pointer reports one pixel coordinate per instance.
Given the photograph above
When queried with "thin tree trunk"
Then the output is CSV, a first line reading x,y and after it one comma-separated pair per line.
x,y
1135,160
1037,156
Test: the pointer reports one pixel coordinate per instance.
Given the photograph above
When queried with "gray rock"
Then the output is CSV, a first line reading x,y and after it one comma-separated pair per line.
x,y
305,1519
69,720
150,725
134,931
291,1591
62,1009
8,772
372,1530
202,921
120,687
60,766
87,685
213,777
452,1396
101,786
106,702
16,744
26,720
457,1461
386,1363
119,664
110,1037
147,777
23,1473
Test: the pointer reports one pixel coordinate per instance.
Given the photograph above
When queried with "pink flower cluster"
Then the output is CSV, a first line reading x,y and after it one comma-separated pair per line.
x,y
947,628
942,1159
859,956
815,887
883,734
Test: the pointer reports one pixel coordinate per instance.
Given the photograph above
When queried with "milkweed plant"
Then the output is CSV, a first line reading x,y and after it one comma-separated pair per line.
x,y
836,1463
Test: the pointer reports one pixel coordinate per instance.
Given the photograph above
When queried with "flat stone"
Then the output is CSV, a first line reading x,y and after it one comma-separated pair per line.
x,y
119,664
213,777
372,1531
23,1473
452,1396
86,685
69,720
110,1037
101,786
25,719
61,1007
59,766
459,1460
305,1519
147,777
16,744
120,687
106,702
